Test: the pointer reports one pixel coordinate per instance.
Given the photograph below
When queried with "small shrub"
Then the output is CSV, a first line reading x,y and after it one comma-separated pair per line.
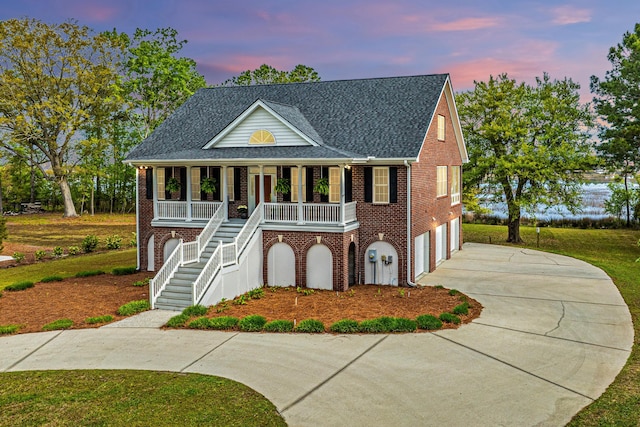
x,y
304,291
18,256
252,323
19,286
344,326
372,326
39,255
223,323
9,329
133,241
133,307
461,309
99,319
449,318
241,300
453,292
144,282
279,326
89,273
428,322
195,310
58,324
199,323
439,287
124,271
310,326
73,250
256,293
402,324
57,252
90,243
178,321
51,279
113,242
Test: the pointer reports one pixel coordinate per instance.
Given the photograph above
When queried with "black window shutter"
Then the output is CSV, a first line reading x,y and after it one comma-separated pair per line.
x,y
168,174
348,186
393,184
309,183
237,189
217,194
286,174
203,174
149,180
368,184
325,175
183,183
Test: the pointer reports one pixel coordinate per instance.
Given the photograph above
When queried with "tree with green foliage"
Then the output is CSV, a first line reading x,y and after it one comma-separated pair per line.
x,y
53,80
267,74
617,101
157,81
528,145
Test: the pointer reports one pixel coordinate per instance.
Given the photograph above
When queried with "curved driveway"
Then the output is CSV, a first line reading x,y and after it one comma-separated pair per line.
x,y
553,335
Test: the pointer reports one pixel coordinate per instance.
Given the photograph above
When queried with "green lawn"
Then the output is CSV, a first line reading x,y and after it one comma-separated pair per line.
x,y
69,266
130,398
614,251
50,229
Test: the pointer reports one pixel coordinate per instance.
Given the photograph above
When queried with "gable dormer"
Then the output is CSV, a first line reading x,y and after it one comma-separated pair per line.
x,y
267,123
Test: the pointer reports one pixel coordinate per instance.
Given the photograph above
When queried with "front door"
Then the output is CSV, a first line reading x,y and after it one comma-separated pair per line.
x,y
267,188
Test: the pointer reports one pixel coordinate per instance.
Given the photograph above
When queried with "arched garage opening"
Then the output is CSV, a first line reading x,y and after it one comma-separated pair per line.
x,y
319,267
151,253
169,247
281,265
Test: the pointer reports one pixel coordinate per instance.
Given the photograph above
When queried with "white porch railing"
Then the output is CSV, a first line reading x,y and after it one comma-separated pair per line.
x,y
317,213
204,210
176,209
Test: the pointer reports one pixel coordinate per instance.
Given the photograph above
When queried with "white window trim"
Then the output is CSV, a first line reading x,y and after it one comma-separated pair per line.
x,y
160,174
375,198
334,186
442,181
230,184
294,184
455,195
441,127
195,184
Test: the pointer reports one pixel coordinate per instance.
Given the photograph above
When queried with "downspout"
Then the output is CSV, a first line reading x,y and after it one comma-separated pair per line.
x,y
138,217
409,282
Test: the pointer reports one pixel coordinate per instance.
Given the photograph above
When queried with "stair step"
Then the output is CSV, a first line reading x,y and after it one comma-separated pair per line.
x,y
179,289
174,281
180,296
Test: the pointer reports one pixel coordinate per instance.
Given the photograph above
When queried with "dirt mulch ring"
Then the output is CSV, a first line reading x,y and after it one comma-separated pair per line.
x,y
79,298
360,303
73,298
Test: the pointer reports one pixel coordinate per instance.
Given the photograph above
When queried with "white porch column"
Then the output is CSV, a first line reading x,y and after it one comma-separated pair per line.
x,y
261,185
225,196
342,195
189,201
301,219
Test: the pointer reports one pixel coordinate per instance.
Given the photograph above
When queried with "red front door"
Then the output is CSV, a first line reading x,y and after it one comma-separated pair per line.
x,y
267,188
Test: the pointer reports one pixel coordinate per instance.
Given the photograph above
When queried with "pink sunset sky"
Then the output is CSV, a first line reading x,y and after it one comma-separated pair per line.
x,y
345,39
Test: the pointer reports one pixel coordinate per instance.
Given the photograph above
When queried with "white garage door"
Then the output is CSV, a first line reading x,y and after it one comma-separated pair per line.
x,y
455,234
441,243
281,265
319,267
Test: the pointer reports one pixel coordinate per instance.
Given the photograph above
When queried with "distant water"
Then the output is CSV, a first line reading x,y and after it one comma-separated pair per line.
x,y
593,198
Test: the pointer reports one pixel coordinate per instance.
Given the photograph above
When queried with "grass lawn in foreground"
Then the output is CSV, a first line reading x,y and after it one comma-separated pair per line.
x,y
68,266
615,252
131,398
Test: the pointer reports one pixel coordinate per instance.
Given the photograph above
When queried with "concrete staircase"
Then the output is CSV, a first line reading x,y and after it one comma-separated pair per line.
x,y
178,293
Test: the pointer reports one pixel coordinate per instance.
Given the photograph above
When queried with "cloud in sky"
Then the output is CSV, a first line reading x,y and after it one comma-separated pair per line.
x,y
466,24
566,15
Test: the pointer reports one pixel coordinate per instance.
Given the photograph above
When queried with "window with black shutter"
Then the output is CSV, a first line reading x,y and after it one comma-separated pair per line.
x,y
149,183
368,184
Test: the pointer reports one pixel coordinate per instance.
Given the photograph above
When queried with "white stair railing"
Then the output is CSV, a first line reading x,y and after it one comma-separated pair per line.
x,y
160,281
184,253
243,237
207,275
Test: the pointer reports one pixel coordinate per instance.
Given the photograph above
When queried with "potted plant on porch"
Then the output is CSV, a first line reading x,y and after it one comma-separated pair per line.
x,y
322,186
173,185
208,185
283,186
243,211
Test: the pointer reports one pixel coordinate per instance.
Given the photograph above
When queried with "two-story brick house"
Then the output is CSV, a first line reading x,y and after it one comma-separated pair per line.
x,y
344,182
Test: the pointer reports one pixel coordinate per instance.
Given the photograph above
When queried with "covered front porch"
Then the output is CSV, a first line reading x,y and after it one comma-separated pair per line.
x,y
292,195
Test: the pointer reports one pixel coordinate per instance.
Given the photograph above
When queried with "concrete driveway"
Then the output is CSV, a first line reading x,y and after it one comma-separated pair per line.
x,y
553,335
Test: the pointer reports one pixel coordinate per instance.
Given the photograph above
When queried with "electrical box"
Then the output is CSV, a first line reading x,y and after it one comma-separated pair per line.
x,y
373,255
389,259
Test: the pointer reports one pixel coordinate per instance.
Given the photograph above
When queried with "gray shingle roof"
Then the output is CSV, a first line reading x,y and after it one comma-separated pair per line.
x,y
383,117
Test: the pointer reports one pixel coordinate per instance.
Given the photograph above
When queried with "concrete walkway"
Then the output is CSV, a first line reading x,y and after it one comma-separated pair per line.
x,y
553,335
